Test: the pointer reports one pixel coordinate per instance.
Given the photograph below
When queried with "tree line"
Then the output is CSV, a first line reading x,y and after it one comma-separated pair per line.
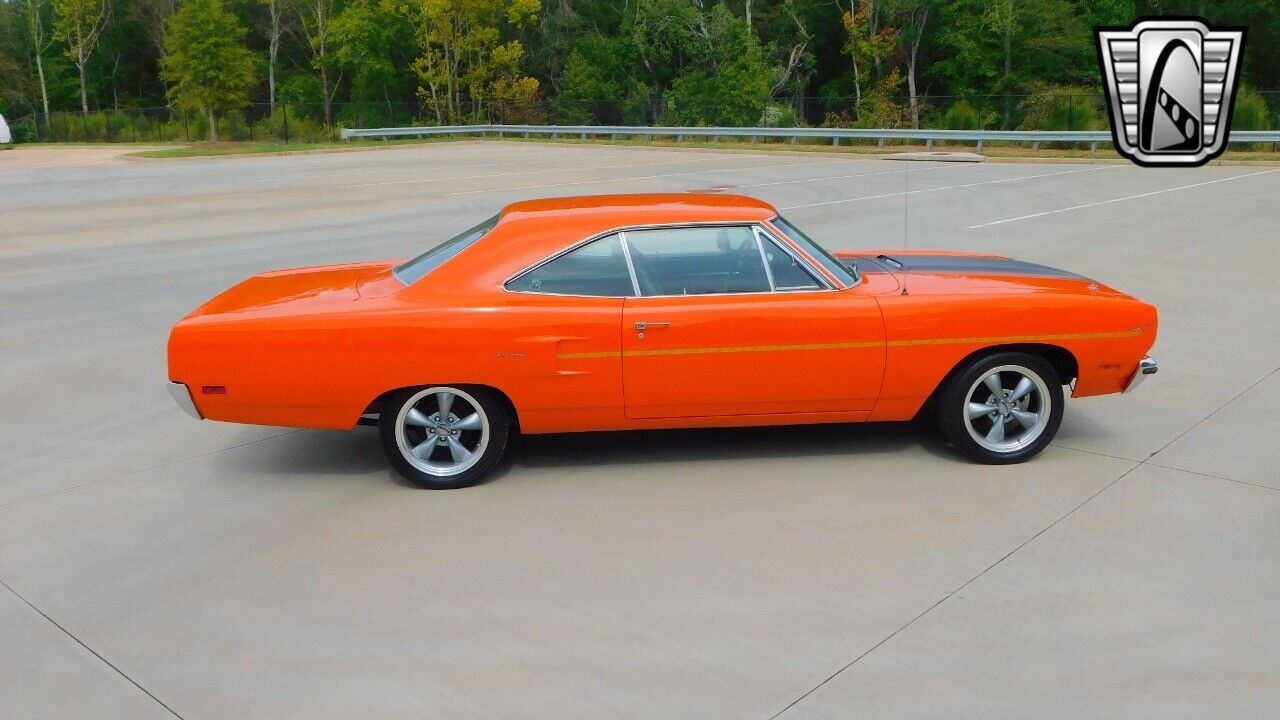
x,y
868,63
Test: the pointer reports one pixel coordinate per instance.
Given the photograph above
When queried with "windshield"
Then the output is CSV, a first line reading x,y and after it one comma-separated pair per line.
x,y
417,268
819,253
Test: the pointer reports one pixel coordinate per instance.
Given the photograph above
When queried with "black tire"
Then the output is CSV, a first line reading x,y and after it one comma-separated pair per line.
x,y
977,438
400,436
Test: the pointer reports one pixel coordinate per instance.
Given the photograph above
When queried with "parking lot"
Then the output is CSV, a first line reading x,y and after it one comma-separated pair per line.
x,y
154,566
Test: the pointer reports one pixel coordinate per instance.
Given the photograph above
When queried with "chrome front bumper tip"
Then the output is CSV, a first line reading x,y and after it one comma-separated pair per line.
x,y
1148,366
182,395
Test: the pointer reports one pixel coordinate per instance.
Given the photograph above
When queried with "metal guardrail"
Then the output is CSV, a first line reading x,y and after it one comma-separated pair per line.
x,y
1035,137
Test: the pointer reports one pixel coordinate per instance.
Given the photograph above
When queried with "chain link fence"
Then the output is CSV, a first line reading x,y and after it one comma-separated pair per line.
x,y
313,122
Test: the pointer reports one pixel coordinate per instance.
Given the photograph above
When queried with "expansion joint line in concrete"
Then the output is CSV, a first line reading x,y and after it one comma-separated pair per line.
x,y
1216,410
86,646
1028,541
949,595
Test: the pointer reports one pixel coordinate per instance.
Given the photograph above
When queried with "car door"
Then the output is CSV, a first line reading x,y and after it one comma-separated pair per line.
x,y
730,321
566,348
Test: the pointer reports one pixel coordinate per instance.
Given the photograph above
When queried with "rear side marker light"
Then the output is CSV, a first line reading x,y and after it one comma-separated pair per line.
x,y
213,389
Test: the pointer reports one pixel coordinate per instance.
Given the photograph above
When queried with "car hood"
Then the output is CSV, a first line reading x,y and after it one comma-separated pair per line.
x,y
305,287
941,272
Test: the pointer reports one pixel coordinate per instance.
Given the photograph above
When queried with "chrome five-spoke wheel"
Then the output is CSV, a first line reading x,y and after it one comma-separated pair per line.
x,y
1008,408
443,436
442,431
1001,408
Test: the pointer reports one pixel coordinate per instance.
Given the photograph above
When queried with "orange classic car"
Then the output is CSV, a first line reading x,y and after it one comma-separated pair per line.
x,y
655,311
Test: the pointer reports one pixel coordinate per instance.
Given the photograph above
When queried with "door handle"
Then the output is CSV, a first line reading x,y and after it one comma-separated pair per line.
x,y
642,326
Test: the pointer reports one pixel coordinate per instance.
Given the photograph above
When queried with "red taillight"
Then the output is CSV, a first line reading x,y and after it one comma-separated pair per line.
x,y
213,389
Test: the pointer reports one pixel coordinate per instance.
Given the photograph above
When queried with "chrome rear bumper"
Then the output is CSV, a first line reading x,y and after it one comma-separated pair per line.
x,y
182,395
1148,366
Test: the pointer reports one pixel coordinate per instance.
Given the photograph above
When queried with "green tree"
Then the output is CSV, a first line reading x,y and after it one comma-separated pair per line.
x,y
366,36
1003,19
726,80
915,20
151,17
867,45
1014,62
560,26
661,34
207,66
16,93
465,57
599,84
34,12
315,18
273,30
1005,48
79,25
789,40
1108,13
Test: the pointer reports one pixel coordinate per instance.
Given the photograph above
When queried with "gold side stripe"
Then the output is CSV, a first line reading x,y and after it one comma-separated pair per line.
x,y
1017,338
752,349
585,355
848,345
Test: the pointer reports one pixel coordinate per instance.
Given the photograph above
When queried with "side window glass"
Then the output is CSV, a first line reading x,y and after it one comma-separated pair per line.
x,y
788,273
819,253
697,261
598,268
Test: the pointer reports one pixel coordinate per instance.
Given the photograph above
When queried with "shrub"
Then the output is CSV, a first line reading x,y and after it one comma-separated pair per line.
x,y
297,127
963,116
780,116
118,126
1055,107
372,114
515,102
302,94
24,129
1251,111
703,99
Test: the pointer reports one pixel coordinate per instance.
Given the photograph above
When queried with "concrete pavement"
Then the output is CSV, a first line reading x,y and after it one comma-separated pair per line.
x,y
154,566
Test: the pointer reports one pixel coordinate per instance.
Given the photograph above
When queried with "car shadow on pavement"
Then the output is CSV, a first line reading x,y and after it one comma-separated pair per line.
x,y
750,443
331,454
310,452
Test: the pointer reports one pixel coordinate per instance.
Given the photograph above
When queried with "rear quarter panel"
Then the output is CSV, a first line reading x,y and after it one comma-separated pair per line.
x,y
323,369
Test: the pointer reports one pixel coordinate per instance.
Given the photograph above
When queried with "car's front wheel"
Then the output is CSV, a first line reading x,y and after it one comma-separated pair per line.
x,y
444,437
1002,408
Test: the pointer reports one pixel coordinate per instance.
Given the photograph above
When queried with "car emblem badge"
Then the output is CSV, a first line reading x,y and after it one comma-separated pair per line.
x,y
1170,88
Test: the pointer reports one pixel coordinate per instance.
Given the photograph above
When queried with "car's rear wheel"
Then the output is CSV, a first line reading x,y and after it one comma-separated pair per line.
x,y
443,437
1002,408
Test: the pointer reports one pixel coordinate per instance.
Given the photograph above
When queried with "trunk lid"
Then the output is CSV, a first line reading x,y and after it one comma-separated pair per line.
x,y
299,287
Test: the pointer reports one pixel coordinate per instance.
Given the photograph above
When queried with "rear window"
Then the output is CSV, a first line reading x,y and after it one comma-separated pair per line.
x,y
597,269
418,268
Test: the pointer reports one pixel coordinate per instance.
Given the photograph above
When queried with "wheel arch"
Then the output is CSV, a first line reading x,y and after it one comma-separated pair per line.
x,y
1062,360
375,406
